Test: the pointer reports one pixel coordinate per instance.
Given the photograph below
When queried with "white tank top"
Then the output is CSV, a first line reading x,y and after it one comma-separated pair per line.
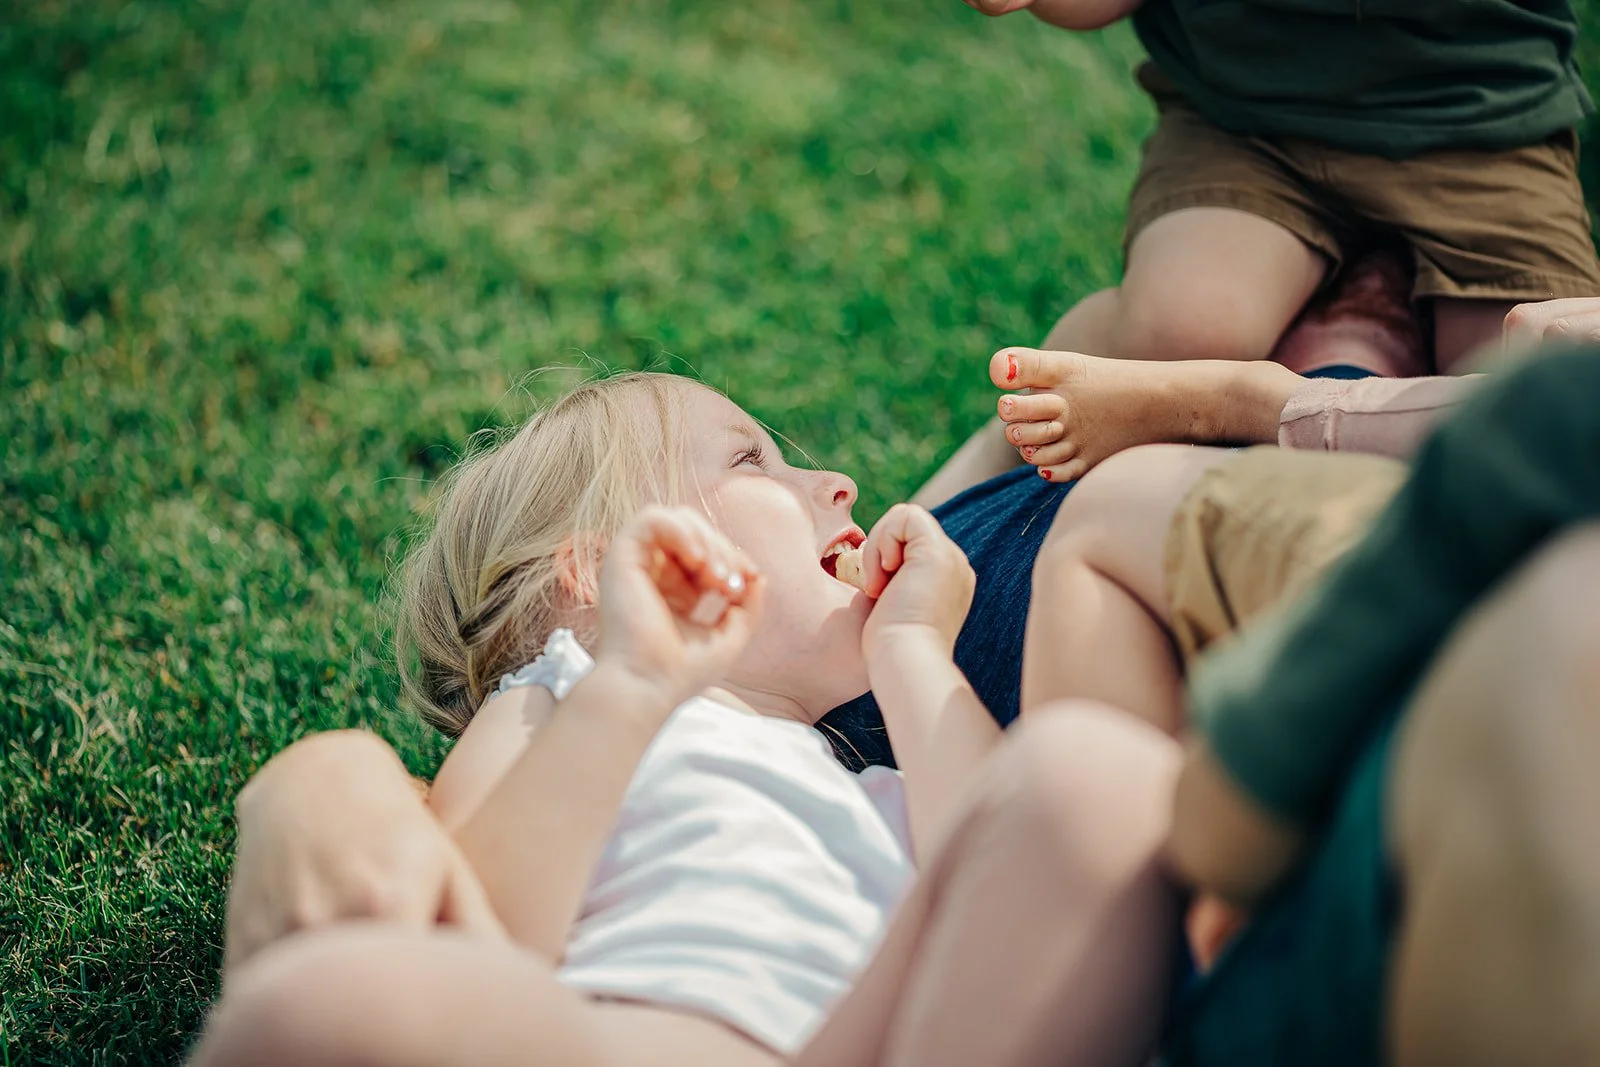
x,y
750,876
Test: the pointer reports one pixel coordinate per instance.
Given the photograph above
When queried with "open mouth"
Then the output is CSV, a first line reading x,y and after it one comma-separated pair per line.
x,y
842,560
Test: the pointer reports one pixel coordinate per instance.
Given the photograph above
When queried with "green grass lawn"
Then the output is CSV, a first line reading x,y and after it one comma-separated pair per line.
x,y
265,267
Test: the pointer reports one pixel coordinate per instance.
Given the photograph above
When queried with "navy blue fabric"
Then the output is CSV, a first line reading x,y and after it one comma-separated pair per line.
x,y
1000,525
1343,371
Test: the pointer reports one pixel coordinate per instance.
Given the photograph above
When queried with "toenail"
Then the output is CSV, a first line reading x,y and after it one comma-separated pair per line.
x,y
1016,434
1007,405
1044,472
1011,367
1027,453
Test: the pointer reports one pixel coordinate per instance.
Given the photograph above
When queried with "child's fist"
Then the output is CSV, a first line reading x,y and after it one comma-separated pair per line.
x,y
920,578
677,601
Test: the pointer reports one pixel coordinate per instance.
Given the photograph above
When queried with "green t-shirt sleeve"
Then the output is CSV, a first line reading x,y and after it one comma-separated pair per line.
x,y
1288,705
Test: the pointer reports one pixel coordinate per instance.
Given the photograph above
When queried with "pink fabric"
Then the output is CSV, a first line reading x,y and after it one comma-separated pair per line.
x,y
1385,416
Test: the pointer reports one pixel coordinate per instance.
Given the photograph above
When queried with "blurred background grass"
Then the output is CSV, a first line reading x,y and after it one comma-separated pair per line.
x,y
264,267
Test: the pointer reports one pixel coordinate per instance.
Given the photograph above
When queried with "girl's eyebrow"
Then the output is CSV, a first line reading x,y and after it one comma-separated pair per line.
x,y
744,432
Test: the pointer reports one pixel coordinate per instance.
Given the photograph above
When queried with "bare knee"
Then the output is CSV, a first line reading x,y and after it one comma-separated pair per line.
x,y
317,999
1196,322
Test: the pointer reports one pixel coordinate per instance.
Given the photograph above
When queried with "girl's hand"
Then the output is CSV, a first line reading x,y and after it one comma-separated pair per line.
x,y
333,829
920,579
677,603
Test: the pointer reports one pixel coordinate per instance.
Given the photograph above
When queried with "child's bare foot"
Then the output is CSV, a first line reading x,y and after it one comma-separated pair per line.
x,y
1086,408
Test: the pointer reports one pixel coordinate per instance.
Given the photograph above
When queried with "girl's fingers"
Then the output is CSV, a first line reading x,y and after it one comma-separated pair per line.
x,y
697,570
881,554
885,550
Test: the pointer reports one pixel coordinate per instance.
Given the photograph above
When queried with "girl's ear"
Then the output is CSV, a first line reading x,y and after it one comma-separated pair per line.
x,y
578,568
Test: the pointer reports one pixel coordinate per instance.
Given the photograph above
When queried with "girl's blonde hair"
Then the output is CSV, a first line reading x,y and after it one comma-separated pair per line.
x,y
519,527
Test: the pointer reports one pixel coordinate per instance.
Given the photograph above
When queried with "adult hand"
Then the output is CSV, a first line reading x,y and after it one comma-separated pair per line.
x,y
677,603
1572,319
920,579
333,829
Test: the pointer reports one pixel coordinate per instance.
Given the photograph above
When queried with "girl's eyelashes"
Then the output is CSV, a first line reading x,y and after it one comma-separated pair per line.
x,y
754,454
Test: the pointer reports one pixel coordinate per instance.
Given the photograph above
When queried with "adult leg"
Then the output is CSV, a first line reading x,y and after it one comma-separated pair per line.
x,y
1042,932
370,993
1493,796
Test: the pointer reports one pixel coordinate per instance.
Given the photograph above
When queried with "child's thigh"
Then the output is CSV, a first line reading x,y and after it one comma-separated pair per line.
x,y
1118,517
378,994
1213,283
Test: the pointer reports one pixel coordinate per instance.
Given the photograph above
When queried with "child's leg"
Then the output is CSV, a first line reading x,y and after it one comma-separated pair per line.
x,y
1463,328
1087,407
1492,802
1166,548
1098,626
378,994
1202,284
988,452
1212,283
1043,931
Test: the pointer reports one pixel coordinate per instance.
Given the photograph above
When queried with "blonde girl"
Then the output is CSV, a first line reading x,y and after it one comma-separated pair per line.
x,y
629,613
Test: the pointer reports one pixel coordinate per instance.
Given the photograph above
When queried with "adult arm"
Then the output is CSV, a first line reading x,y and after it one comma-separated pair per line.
x,y
1383,416
1391,416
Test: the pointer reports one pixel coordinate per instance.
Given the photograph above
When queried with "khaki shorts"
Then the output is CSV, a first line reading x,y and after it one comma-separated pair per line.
x,y
1259,528
1506,225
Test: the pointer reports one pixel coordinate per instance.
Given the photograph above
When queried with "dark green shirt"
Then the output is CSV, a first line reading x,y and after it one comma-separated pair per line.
x,y
1383,77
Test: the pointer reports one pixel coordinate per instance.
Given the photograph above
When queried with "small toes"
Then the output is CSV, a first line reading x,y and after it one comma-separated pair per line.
x,y
1034,433
1052,455
1035,407
1028,368
1070,471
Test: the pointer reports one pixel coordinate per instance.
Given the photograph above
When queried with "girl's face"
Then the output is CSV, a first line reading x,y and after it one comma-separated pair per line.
x,y
805,656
